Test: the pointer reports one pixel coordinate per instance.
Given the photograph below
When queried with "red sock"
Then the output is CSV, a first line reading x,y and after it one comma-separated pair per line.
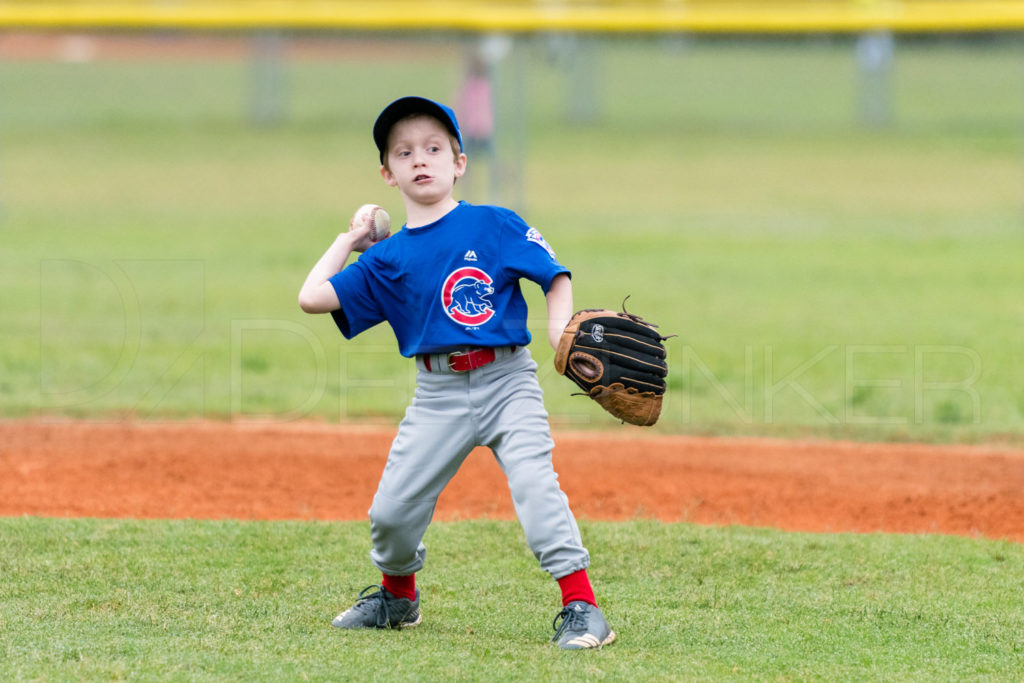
x,y
576,586
400,586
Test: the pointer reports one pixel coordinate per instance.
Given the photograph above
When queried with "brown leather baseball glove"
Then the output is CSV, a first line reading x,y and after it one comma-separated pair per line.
x,y
618,359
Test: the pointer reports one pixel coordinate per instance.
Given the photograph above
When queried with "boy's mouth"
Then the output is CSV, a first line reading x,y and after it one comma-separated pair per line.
x,y
421,178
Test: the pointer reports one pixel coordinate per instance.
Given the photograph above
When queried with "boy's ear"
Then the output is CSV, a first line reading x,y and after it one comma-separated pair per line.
x,y
460,165
388,176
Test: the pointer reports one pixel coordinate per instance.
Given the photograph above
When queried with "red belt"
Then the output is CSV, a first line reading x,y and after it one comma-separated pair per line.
x,y
464,361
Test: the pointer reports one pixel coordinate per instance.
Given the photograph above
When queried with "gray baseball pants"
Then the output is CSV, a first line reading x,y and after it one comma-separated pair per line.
x,y
499,406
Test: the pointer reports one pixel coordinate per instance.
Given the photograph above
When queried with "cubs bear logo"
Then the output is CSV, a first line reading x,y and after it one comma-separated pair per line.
x,y
464,296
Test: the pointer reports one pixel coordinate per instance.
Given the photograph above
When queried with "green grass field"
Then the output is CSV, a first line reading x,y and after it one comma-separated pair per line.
x,y
148,600
825,279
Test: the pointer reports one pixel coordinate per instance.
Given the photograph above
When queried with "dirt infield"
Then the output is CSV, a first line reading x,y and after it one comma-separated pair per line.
x,y
308,471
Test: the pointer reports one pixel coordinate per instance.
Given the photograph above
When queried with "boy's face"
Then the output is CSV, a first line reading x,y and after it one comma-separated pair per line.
x,y
421,162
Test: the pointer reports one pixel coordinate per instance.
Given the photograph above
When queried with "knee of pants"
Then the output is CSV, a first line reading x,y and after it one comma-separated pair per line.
x,y
389,516
532,477
397,527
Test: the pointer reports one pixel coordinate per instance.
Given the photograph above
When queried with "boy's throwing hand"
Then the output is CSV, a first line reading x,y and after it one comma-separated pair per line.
x,y
370,224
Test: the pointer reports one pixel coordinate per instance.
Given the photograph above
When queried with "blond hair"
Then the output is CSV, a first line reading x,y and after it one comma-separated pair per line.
x,y
454,141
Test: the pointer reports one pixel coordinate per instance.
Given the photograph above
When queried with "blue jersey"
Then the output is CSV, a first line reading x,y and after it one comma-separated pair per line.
x,y
448,285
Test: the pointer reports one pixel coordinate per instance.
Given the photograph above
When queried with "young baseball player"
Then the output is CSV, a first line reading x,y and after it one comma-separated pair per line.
x,y
448,284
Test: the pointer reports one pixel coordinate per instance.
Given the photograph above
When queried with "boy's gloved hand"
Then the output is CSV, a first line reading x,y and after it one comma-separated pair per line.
x,y
618,359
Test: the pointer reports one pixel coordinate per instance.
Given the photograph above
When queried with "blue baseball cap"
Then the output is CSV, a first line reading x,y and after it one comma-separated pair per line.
x,y
406,106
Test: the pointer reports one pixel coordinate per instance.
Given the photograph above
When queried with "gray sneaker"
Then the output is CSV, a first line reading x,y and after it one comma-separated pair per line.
x,y
583,627
380,610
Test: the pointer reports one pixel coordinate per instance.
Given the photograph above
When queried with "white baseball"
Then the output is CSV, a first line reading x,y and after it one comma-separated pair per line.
x,y
376,218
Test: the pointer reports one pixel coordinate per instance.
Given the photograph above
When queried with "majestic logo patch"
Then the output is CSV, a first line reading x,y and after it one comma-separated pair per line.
x,y
470,255
534,236
464,296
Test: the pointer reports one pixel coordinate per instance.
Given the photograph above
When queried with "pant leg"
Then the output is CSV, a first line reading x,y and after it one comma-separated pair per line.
x,y
515,425
434,438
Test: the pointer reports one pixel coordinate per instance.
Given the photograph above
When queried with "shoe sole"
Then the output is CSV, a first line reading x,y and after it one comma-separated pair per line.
x,y
589,642
411,624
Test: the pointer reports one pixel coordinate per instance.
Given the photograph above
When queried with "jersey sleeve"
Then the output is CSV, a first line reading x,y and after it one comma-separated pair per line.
x,y
359,308
526,254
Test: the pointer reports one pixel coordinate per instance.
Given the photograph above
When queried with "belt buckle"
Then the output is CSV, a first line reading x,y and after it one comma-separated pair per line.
x,y
451,360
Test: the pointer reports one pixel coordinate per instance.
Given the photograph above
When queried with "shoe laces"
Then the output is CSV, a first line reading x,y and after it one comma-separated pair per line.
x,y
378,602
572,620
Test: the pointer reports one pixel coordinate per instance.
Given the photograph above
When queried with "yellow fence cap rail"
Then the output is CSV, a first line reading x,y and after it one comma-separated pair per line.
x,y
630,16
